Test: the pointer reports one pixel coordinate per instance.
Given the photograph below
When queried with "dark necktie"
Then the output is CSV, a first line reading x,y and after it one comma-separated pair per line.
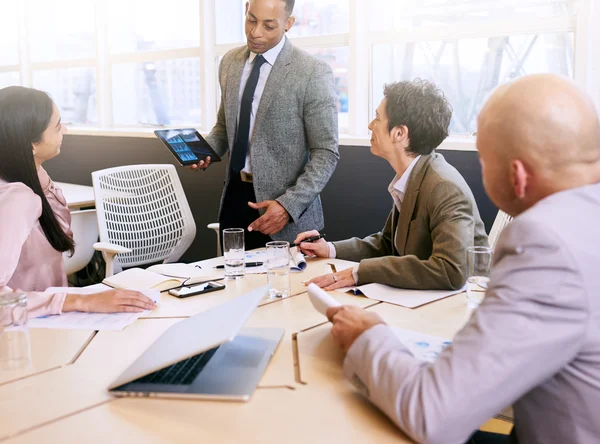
x,y
240,147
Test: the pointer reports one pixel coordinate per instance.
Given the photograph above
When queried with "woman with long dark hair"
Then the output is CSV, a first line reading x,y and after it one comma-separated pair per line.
x,y
34,218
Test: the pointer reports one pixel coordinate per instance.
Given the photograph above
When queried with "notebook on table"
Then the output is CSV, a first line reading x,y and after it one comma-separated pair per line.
x,y
161,277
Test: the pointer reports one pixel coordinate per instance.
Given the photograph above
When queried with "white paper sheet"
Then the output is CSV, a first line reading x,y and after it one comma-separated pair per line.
x,y
320,299
90,321
423,347
400,296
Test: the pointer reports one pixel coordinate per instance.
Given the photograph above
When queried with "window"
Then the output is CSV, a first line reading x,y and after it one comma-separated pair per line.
x,y
62,30
145,25
112,64
73,89
394,14
9,79
320,17
479,45
163,92
467,70
9,33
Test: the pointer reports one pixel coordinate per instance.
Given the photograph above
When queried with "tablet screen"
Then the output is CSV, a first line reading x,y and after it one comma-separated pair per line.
x,y
187,145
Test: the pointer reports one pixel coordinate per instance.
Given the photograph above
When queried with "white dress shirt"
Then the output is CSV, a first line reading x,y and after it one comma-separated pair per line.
x,y
397,189
270,56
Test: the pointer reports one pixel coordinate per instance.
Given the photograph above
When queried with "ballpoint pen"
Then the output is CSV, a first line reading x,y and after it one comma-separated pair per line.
x,y
309,239
248,264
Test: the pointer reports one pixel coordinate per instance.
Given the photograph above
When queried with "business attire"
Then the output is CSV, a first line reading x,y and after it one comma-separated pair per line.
x,y
292,136
534,343
424,242
28,262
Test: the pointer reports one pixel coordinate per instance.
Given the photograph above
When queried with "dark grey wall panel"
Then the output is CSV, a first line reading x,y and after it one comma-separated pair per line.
x,y
356,200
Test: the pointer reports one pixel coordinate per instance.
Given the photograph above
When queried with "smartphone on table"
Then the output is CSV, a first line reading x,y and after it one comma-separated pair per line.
x,y
193,290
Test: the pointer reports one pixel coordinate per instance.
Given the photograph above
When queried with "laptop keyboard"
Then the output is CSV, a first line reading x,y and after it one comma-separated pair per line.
x,y
181,373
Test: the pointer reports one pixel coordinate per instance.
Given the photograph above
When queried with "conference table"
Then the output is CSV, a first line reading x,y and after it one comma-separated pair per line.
x,y
302,397
77,196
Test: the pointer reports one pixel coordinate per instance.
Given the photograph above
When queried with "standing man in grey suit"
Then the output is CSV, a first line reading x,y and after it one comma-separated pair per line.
x,y
534,343
278,119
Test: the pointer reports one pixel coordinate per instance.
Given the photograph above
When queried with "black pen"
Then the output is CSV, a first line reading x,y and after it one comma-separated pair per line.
x,y
309,239
248,264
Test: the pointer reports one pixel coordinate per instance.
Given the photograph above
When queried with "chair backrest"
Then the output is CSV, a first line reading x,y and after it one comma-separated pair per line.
x,y
144,208
85,233
501,221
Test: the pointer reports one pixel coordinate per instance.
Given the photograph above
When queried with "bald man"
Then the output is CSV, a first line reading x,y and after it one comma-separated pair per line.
x,y
534,343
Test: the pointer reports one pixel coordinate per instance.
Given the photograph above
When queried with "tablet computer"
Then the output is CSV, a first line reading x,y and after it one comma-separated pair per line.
x,y
187,145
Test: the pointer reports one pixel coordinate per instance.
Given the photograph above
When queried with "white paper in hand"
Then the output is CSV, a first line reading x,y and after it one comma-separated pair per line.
x,y
297,261
320,299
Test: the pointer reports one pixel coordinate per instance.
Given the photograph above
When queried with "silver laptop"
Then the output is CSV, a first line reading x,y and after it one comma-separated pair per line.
x,y
207,356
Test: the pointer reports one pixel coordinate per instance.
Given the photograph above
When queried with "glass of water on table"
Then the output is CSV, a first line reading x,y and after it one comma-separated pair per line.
x,y
278,268
479,263
234,253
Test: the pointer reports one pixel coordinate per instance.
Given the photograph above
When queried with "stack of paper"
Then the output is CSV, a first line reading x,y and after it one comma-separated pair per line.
x,y
90,321
400,296
423,347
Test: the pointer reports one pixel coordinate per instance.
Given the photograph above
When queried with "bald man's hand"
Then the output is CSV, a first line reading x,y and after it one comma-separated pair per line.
x,y
349,322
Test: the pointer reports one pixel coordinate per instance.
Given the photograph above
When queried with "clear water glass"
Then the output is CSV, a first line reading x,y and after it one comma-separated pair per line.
x,y
479,264
15,349
234,252
277,264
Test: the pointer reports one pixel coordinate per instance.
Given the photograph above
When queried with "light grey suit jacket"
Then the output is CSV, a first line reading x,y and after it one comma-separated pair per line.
x,y
534,342
424,246
294,146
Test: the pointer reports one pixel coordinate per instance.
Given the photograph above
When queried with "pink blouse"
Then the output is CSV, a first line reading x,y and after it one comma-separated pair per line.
x,y
27,260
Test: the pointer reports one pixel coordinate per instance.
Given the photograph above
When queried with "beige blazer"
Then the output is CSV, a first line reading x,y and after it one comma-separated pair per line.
x,y
424,246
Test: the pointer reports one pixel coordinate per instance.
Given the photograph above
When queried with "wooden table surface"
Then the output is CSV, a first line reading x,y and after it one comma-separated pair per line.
x,y
302,396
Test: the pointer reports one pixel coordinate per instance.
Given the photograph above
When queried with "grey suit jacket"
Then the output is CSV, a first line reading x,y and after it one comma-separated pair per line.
x,y
534,342
294,145
424,246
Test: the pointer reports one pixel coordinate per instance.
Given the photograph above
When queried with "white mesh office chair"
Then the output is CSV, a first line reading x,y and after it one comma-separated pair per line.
x,y
85,234
216,227
143,215
501,221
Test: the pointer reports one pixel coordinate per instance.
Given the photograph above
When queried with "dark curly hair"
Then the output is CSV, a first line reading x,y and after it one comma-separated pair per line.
x,y
423,109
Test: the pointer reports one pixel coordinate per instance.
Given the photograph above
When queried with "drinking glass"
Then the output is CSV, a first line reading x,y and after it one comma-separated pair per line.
x,y
15,350
233,250
479,261
278,268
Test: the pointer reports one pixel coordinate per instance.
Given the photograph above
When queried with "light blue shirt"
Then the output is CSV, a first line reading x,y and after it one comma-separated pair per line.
x,y
270,56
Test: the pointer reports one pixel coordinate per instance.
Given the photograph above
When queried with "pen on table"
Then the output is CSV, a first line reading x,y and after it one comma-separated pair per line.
x,y
309,239
248,264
